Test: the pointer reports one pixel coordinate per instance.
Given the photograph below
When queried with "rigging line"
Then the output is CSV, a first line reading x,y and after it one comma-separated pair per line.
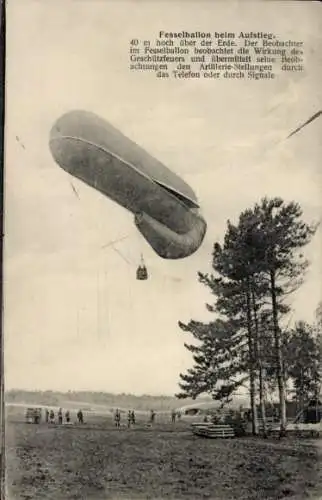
x,y
111,243
74,190
108,318
105,294
277,142
311,119
121,255
97,304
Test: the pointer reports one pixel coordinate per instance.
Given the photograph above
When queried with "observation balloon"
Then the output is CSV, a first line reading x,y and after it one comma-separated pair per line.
x,y
165,208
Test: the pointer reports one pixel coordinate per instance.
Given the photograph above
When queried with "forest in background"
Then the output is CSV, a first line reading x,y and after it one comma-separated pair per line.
x,y
56,398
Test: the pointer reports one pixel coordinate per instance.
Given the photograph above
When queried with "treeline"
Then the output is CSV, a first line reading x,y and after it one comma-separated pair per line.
x,y
54,398
257,268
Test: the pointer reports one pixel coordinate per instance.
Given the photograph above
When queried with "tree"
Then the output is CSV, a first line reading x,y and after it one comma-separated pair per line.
x,y
237,294
259,265
279,236
318,332
217,360
302,362
318,316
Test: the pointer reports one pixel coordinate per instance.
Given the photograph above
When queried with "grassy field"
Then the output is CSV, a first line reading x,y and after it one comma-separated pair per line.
x,y
97,461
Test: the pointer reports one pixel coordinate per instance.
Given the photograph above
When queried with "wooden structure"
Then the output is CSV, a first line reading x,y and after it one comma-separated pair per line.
x,y
213,430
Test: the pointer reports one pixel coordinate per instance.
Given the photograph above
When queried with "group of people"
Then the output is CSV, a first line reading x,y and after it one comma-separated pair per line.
x,y
131,417
50,416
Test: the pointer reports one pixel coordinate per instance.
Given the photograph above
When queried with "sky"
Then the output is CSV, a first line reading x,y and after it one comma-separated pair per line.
x,y
75,318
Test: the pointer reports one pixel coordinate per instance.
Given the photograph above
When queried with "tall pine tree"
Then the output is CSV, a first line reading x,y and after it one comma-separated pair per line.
x,y
258,265
278,236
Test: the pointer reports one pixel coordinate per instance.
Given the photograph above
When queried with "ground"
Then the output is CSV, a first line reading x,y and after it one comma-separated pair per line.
x,y
96,461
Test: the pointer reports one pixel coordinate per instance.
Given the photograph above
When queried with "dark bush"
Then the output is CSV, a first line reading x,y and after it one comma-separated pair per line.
x,y
235,420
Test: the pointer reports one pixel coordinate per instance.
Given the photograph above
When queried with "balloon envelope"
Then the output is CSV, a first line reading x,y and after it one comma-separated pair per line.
x,y
165,207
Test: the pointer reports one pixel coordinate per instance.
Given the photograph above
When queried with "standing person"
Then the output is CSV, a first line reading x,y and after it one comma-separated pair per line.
x,y
52,417
80,417
129,418
67,416
152,416
60,416
173,416
117,418
133,417
47,416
